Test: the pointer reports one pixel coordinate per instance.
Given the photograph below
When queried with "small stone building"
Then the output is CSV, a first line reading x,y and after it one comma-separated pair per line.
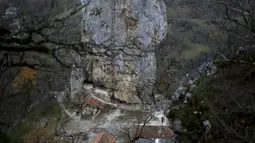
x,y
159,134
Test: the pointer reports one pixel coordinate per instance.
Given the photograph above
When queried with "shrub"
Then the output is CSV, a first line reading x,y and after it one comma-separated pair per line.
x,y
25,75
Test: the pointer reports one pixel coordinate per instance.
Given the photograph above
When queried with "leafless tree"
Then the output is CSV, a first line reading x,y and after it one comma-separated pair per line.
x,y
31,32
132,130
35,34
236,21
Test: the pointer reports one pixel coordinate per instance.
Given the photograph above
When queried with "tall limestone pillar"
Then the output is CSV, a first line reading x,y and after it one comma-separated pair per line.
x,y
128,32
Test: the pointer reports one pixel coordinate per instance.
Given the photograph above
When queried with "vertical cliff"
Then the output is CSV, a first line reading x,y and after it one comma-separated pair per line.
x,y
129,31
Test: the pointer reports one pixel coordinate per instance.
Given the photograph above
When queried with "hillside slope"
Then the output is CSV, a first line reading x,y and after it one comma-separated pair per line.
x,y
226,100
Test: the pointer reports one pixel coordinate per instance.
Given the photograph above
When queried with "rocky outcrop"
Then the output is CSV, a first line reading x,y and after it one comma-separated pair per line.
x,y
128,32
118,21
102,96
183,92
77,76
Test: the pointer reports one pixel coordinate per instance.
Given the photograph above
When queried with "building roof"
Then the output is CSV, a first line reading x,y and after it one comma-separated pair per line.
x,y
93,101
156,132
104,137
154,141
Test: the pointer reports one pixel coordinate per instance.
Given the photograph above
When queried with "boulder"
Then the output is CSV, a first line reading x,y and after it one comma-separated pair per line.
x,y
43,122
177,125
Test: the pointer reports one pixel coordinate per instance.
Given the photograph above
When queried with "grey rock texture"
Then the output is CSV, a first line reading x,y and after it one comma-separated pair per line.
x,y
207,125
77,76
177,125
183,92
43,122
129,31
118,21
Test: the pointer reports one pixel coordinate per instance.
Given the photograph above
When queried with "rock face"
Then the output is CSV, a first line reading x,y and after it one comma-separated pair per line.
x,y
118,21
187,84
77,76
129,31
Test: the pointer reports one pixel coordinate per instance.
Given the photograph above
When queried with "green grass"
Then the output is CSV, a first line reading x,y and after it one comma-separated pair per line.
x,y
193,50
169,28
50,111
201,23
178,12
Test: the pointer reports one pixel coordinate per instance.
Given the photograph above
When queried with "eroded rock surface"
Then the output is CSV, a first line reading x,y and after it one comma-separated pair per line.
x,y
129,30
118,21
